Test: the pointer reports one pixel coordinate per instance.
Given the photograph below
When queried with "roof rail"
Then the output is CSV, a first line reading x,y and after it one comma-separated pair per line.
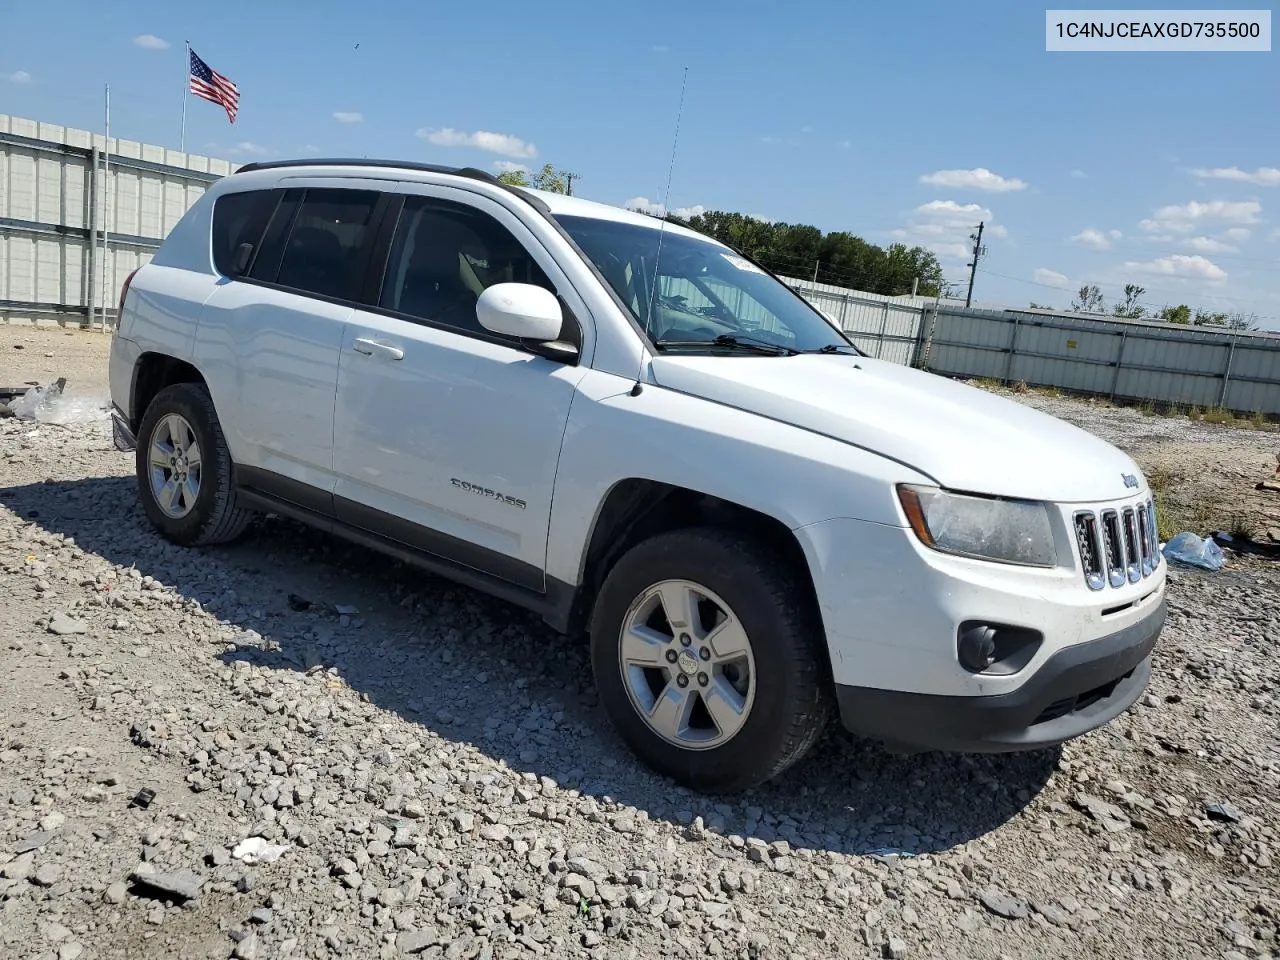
x,y
472,173
344,162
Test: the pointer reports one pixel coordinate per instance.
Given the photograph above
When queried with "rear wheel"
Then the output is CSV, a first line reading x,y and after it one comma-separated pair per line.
x,y
184,469
708,658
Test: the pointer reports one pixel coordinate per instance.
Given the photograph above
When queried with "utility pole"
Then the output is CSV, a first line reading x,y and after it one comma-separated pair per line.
x,y
815,270
978,250
568,178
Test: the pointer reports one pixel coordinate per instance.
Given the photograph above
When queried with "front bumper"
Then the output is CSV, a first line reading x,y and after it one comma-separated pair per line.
x,y
1077,689
121,432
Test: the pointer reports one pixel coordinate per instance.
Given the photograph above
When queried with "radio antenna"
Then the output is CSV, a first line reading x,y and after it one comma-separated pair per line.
x,y
653,285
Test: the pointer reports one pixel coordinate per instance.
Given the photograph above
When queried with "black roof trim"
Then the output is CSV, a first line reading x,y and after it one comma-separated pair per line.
x,y
471,173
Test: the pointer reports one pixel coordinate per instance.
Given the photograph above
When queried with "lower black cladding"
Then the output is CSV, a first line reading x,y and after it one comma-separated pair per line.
x,y
463,562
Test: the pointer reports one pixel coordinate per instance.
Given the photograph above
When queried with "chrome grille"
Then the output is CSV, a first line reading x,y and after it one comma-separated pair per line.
x,y
1118,546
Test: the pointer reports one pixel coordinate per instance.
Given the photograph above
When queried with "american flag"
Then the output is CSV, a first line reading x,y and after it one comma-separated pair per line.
x,y
210,85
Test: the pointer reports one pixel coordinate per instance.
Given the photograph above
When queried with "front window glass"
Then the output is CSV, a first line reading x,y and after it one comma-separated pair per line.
x,y
706,297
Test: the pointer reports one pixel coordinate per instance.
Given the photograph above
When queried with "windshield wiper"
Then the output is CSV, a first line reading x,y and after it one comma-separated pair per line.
x,y
833,348
733,341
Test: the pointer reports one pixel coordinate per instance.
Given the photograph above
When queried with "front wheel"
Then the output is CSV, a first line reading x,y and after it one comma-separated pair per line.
x,y
708,657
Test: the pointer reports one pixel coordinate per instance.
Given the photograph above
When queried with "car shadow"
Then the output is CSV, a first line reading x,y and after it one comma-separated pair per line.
x,y
477,671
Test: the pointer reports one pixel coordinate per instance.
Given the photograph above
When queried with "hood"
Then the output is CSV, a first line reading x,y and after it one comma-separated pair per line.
x,y
966,439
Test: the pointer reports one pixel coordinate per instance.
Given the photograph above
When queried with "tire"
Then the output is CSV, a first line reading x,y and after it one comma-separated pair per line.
x,y
211,515
788,702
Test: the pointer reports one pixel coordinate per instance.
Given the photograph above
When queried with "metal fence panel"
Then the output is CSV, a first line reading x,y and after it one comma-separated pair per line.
x,y
53,203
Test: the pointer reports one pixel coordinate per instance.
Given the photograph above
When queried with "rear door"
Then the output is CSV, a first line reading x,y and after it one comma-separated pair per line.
x,y
269,340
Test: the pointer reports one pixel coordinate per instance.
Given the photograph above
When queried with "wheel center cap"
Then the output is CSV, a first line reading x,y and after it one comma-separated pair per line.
x,y
688,663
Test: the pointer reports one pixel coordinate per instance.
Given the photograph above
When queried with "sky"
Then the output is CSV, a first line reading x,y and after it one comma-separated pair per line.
x,y
905,122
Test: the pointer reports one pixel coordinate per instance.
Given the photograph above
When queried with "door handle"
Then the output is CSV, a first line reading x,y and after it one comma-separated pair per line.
x,y
372,348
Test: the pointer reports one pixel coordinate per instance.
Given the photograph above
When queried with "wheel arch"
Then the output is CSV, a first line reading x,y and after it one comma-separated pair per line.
x,y
152,372
636,508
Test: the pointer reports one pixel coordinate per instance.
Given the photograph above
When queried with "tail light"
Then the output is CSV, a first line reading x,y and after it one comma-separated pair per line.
x,y
124,292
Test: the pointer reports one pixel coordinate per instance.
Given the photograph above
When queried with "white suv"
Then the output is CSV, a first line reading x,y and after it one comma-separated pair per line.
x,y
638,433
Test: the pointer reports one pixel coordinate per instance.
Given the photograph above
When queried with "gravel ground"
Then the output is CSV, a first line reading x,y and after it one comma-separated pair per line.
x,y
293,748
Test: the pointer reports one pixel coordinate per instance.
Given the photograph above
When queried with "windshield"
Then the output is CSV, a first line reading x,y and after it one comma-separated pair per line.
x,y
704,291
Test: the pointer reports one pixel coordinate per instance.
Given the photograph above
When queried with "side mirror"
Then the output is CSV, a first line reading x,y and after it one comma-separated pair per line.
x,y
521,310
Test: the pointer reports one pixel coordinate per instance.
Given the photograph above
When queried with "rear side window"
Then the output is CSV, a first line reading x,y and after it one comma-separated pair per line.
x,y
239,218
325,253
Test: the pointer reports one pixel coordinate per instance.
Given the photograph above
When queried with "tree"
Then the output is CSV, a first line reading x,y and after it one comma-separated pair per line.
x,y
1088,299
803,251
1038,306
1131,309
548,178
1204,318
1241,321
1179,314
552,180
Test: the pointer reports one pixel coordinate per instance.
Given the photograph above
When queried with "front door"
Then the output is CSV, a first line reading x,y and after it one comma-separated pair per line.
x,y
446,436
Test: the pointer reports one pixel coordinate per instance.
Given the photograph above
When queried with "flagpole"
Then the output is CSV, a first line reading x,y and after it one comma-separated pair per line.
x,y
186,87
106,206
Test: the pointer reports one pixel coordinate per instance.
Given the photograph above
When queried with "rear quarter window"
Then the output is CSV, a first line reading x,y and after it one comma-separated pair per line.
x,y
239,218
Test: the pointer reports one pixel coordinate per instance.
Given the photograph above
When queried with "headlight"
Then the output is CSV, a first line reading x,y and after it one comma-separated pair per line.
x,y
1009,531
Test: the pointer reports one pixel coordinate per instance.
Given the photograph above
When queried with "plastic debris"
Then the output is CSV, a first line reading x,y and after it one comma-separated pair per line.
x,y
1187,547
257,850
142,799
49,403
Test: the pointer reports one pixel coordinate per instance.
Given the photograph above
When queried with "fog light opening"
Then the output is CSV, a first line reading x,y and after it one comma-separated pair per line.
x,y
995,649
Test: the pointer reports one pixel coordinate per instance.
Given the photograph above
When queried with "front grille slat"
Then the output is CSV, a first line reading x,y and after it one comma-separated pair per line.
x,y
1132,551
1089,541
1144,539
1117,546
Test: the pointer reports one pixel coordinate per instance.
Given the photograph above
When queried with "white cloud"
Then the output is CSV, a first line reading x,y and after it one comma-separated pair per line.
x,y
949,210
1078,175
151,42
979,178
1091,237
310,148
1182,218
806,129
645,205
1050,278
661,48
509,166
687,213
998,231
1262,177
1238,234
348,116
18,76
247,149
1180,265
501,143
1210,245
846,144
945,225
